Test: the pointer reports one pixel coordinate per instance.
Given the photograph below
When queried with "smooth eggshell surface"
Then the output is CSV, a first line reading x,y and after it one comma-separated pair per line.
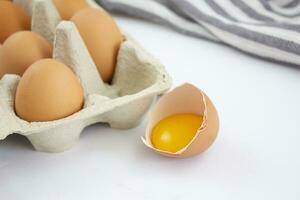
x,y
48,91
22,49
102,38
12,19
186,99
67,8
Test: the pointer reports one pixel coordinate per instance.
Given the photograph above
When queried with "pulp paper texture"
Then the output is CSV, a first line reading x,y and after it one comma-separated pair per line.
x,y
137,81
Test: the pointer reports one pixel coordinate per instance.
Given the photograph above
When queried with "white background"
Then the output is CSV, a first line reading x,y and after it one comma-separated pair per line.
x,y
256,155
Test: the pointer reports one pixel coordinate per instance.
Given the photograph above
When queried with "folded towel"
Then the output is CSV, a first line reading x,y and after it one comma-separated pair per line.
x,y
265,28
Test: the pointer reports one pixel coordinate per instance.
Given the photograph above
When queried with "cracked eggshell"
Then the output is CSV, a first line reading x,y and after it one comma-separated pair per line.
x,y
186,99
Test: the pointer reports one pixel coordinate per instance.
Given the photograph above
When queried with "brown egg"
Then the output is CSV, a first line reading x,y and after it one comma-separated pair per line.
x,y
48,91
12,19
186,99
21,50
67,8
102,38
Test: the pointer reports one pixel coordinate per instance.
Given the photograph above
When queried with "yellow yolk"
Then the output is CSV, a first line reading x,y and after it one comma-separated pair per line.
x,y
175,132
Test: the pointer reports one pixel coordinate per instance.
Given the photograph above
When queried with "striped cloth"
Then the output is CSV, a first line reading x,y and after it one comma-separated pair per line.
x,y
266,28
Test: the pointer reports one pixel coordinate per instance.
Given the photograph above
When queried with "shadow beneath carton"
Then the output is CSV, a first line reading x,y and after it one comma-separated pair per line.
x,y
128,146
101,143
16,142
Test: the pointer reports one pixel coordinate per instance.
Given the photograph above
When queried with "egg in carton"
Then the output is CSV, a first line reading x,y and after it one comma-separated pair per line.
x,y
138,80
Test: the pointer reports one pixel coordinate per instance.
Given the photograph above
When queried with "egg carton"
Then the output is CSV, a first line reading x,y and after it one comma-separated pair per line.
x,y
138,80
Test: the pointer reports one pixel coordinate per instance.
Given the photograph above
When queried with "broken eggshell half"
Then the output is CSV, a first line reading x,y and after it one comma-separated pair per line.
x,y
186,99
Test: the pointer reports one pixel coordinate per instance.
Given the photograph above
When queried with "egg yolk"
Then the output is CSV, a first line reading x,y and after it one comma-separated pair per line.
x,y
175,132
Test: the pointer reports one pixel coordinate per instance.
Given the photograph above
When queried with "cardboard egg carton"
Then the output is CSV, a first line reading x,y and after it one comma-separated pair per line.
x,y
138,80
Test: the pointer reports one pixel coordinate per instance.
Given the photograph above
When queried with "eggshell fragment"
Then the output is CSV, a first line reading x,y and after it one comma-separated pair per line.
x,y
48,91
67,8
12,19
186,99
102,37
22,49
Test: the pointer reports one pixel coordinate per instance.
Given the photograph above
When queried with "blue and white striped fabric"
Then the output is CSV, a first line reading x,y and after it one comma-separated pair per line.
x,y
266,28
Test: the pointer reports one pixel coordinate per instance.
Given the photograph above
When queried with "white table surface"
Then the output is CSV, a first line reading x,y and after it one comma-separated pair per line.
x,y
256,155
